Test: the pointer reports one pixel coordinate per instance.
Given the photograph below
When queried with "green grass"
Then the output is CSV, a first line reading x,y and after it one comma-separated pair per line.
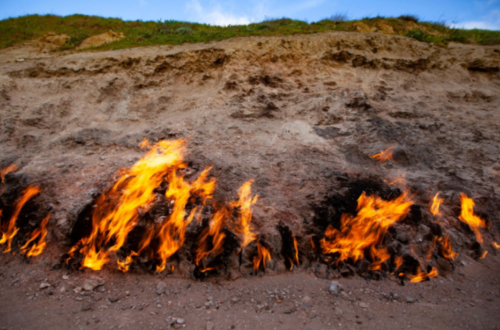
x,y
139,33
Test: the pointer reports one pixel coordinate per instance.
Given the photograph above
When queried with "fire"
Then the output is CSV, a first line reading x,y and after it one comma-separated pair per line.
x,y
483,255
467,216
422,276
7,170
436,202
37,248
296,250
117,212
495,245
245,203
445,248
11,230
398,262
384,155
211,240
171,232
263,255
367,229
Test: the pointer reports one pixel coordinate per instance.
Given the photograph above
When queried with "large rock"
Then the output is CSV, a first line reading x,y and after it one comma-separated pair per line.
x,y
56,39
101,39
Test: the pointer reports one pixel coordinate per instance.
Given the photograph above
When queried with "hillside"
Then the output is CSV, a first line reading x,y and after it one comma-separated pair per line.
x,y
302,119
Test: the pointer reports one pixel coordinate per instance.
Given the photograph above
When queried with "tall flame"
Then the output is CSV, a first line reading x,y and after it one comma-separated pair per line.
x,y
7,170
211,240
263,254
117,210
245,204
384,155
470,218
422,276
11,230
436,202
296,250
37,248
367,229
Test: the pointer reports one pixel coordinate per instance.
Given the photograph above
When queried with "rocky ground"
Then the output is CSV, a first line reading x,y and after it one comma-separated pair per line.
x,y
299,115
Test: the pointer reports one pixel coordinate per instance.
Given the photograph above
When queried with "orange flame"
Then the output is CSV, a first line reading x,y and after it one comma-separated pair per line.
x,y
144,144
398,262
485,252
467,216
7,170
495,245
245,204
296,250
422,276
436,202
117,210
384,155
214,230
37,249
124,265
367,229
445,248
171,232
12,230
263,255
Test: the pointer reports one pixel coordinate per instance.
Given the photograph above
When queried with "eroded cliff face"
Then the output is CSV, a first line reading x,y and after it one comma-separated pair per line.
x,y
300,115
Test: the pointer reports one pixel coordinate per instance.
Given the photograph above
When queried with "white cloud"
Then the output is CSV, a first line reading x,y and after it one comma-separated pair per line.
x,y
477,25
215,15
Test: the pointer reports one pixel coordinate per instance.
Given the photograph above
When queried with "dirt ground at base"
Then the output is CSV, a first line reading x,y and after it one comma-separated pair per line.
x,y
467,299
297,114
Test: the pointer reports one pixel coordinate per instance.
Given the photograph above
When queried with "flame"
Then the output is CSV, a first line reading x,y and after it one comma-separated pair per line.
x,y
436,202
485,252
213,231
12,230
384,155
422,276
144,144
37,249
467,216
171,232
116,213
124,265
296,250
445,248
245,203
494,244
367,229
263,255
7,170
398,262
312,243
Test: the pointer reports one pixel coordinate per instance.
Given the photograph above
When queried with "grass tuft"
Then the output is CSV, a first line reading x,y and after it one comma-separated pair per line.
x,y
409,18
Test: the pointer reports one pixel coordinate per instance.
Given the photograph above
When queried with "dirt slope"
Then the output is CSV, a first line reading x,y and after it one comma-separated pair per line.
x,y
298,114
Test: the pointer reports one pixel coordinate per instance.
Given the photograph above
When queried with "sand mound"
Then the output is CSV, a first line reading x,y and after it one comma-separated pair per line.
x,y
101,39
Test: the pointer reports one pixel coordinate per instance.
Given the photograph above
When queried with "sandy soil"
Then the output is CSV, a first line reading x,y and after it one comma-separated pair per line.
x,y
294,113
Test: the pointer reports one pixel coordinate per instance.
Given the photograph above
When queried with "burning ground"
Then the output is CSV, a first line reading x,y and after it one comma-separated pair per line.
x,y
349,157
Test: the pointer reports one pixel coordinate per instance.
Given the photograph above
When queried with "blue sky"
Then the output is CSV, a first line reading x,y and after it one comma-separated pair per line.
x,y
462,13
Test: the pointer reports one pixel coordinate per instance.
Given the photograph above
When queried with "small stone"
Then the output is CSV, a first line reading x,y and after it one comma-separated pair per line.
x,y
127,293
210,326
65,277
86,307
44,285
306,299
92,283
62,289
410,300
363,305
290,310
334,288
180,321
161,287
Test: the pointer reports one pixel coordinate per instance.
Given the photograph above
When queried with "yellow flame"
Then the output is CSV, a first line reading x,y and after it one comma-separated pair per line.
x,y
12,230
467,216
37,248
263,254
422,276
436,202
245,204
367,229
